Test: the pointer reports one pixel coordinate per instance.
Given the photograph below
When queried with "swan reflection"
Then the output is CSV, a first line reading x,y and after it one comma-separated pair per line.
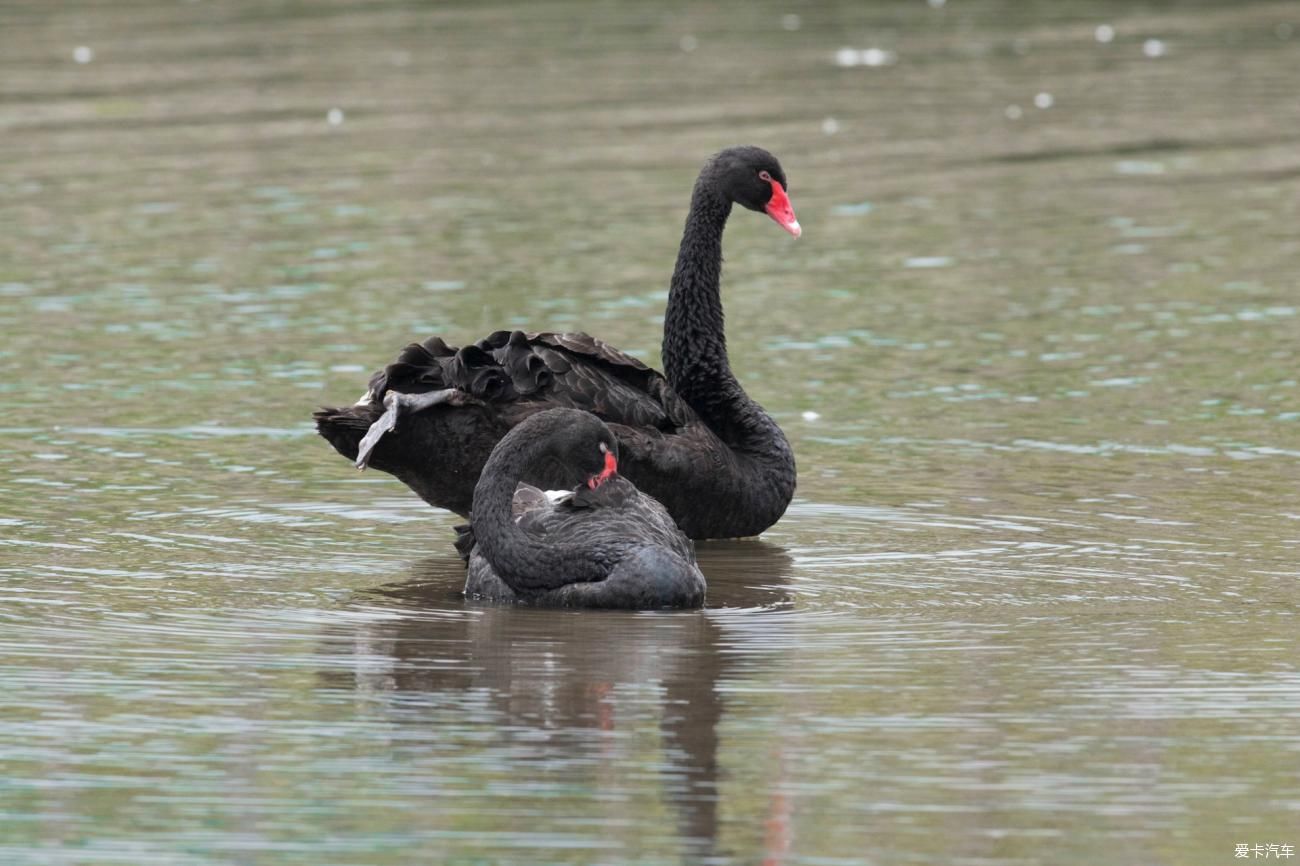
x,y
579,686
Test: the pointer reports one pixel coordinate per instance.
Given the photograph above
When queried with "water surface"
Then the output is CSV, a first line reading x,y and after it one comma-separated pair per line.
x,y
1035,601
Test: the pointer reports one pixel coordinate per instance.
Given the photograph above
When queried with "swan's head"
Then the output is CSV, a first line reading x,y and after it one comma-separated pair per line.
x,y
753,178
586,444
583,447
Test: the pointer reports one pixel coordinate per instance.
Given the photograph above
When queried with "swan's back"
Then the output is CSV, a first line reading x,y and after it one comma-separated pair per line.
x,y
614,513
559,370
506,377
654,565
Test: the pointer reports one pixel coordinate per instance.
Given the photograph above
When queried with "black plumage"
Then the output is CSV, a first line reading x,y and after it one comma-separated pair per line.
x,y
607,546
693,440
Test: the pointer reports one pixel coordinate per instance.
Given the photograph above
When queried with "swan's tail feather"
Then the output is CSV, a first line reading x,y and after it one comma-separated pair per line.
x,y
344,427
434,442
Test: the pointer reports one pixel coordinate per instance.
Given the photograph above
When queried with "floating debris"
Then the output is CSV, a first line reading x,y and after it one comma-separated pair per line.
x,y
1154,48
874,57
1121,381
811,416
334,117
83,54
830,126
877,57
1129,249
1139,166
1044,100
1104,34
791,22
688,43
859,209
927,262
1013,112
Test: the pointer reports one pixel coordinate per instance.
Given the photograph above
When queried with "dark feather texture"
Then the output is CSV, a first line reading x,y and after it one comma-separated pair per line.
x,y
610,546
693,440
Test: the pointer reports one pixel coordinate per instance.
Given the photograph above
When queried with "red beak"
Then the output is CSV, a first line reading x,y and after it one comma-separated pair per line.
x,y
779,209
611,469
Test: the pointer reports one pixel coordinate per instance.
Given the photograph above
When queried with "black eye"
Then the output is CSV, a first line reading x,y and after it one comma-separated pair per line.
x,y
763,175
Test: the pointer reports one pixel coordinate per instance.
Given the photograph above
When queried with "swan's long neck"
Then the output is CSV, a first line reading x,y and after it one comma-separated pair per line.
x,y
518,558
695,344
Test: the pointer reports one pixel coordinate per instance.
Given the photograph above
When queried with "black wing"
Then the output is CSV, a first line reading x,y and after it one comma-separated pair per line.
x,y
574,370
616,511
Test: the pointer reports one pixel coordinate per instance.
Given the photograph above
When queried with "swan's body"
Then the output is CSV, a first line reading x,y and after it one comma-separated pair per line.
x,y
605,545
693,439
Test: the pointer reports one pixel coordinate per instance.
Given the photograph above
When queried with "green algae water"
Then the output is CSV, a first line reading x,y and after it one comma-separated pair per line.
x,y
1036,351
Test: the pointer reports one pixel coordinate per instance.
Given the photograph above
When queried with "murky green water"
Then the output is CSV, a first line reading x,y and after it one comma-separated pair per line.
x,y
1035,602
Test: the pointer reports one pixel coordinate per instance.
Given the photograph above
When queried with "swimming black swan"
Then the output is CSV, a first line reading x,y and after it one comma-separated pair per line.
x,y
606,544
695,440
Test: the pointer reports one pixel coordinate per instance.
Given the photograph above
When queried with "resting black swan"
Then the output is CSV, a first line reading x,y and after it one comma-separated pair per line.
x,y
606,544
695,440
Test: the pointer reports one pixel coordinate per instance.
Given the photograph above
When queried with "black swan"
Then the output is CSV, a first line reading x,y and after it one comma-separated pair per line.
x,y
694,440
606,544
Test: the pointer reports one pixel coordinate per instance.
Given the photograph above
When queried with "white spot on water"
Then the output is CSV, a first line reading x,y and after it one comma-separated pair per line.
x,y
83,54
791,22
937,4
688,43
928,262
1013,112
874,57
1104,34
1154,48
830,126
877,57
50,456
847,57
1139,166
1044,100
334,117
1121,381
811,416
861,208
